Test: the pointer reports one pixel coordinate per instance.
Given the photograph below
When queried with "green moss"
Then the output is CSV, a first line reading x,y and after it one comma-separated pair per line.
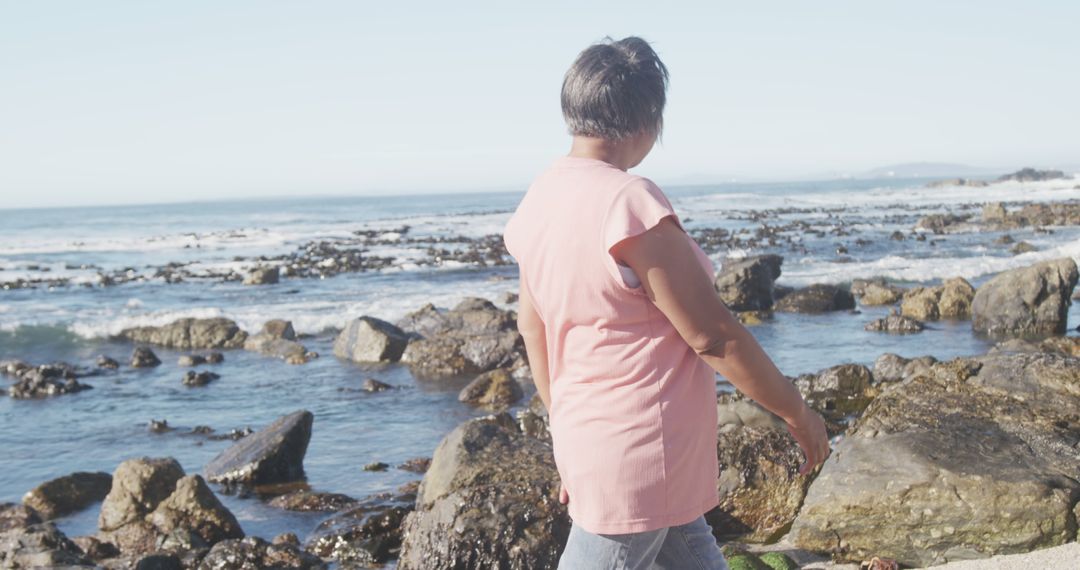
x,y
779,561
746,562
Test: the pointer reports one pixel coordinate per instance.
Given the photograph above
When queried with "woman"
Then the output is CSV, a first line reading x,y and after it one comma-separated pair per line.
x,y
624,332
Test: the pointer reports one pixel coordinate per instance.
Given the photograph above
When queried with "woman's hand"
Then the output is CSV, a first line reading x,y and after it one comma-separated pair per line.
x,y
809,430
564,497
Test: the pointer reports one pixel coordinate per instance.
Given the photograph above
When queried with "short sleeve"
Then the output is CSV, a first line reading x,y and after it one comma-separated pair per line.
x,y
636,208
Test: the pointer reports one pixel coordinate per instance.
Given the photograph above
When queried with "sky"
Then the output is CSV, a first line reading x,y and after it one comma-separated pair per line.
x,y
111,102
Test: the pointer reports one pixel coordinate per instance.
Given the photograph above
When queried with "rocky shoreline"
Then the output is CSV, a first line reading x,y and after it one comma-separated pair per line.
x,y
933,461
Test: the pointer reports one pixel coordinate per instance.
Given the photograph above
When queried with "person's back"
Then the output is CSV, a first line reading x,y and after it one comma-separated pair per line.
x,y
633,407
624,358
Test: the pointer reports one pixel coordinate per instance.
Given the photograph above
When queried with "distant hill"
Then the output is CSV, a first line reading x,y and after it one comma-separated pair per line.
x,y
928,170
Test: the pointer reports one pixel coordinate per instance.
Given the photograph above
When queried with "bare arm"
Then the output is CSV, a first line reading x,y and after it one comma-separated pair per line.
x,y
663,258
532,330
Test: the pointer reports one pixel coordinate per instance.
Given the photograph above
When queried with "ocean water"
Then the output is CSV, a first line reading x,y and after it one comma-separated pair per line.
x,y
97,429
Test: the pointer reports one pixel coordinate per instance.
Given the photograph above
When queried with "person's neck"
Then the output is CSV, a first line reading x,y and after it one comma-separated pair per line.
x,y
613,153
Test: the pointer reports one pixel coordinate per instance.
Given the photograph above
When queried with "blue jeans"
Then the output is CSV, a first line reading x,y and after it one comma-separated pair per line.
x,y
690,546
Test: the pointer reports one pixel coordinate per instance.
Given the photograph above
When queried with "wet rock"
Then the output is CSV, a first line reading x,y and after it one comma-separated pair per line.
x,y
1032,175
533,421
278,339
33,384
489,500
39,546
492,389
895,368
457,354
1062,345
143,357
14,515
274,454
368,339
193,506
106,362
307,501
254,552
759,484
471,316
1047,214
876,292
1004,240
138,487
191,360
837,392
96,549
190,333
376,466
957,182
971,459
817,298
368,533
262,276
1022,247
373,385
215,358
747,284
895,324
941,223
994,212
1031,300
68,494
201,378
416,464
952,299
159,426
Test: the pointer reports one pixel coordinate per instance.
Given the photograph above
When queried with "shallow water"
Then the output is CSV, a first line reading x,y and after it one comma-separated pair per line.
x,y
99,428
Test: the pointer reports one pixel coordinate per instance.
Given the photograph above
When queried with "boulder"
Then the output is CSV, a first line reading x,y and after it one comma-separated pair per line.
x,y
153,505
471,316
201,378
190,333
33,384
952,299
367,534
941,223
68,494
747,284
493,389
895,324
40,545
817,298
308,501
262,276
368,339
1031,300
894,368
488,500
1032,175
274,454
14,515
143,357
759,484
277,338
838,392
969,459
254,552
876,292
451,354
994,212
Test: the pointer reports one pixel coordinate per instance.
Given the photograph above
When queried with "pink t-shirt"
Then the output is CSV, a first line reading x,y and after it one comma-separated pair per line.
x,y
633,407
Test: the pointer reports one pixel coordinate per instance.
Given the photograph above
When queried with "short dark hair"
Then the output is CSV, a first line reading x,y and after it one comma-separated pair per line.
x,y
615,90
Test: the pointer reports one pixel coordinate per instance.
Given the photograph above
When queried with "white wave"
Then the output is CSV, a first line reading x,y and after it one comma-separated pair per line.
x,y
808,271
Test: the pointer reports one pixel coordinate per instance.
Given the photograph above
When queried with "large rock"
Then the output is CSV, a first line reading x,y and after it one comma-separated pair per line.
x,y
368,339
274,454
68,494
971,458
189,333
898,324
367,534
488,500
153,505
39,546
747,284
876,292
760,487
277,338
1031,300
254,552
452,354
838,392
1032,175
14,515
950,300
817,298
473,315
494,389
262,276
